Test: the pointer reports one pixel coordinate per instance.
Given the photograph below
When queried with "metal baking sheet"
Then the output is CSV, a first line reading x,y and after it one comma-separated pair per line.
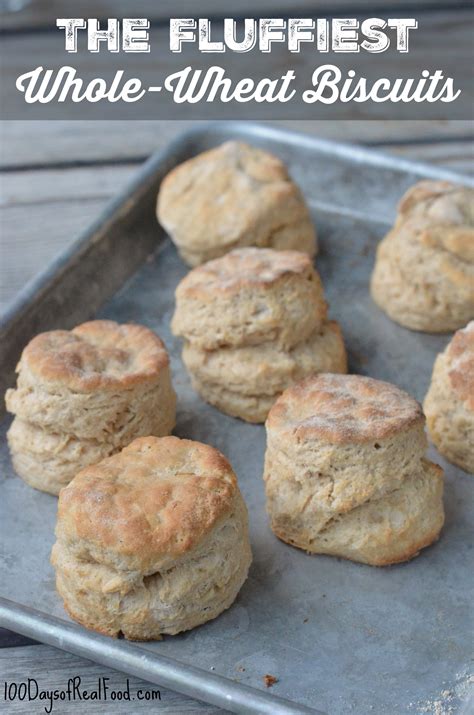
x,y
340,637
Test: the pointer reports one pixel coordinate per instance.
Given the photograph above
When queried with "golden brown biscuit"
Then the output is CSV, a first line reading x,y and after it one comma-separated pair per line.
x,y
449,403
344,462
151,541
424,272
248,297
86,393
254,321
233,195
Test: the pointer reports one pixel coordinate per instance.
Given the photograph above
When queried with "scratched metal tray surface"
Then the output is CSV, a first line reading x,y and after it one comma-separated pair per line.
x,y
339,636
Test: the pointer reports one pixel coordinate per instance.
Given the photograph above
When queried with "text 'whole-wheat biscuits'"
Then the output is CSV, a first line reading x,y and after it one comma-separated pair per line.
x,y
233,195
424,271
254,321
449,403
82,395
345,471
151,541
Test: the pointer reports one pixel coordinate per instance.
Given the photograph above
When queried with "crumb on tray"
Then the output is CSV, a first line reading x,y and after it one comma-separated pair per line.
x,y
269,680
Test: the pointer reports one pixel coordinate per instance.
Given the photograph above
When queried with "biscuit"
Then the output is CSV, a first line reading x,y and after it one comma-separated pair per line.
x,y
47,460
424,271
233,195
83,394
151,541
449,403
345,472
253,322
250,296
245,382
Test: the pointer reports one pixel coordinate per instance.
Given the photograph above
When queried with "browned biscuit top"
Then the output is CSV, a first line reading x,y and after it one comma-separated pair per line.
x,y
244,267
227,195
460,353
157,498
100,354
343,409
442,214
257,164
441,201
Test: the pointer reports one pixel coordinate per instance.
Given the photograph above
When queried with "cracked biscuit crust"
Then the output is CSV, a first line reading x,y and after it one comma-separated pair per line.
x,y
98,355
84,394
147,505
424,271
255,321
339,450
245,382
234,195
152,540
250,296
449,403
380,532
344,409
460,354
92,382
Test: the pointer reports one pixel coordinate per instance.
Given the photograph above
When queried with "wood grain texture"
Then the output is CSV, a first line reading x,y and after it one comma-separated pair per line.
x,y
32,144
52,669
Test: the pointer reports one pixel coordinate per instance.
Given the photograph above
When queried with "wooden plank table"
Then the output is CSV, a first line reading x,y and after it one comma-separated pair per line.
x,y
54,179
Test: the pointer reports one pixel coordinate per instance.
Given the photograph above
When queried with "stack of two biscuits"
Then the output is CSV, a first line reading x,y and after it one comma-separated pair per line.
x,y
346,472
254,322
83,395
